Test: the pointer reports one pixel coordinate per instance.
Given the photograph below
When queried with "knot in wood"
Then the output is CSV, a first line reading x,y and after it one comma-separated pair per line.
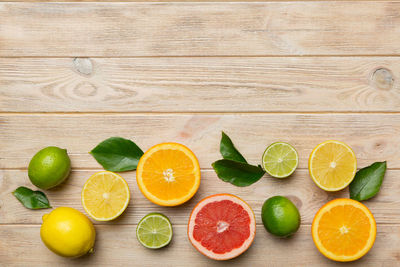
x,y
83,66
382,79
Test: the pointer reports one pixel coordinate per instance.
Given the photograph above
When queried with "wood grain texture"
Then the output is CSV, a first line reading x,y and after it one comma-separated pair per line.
x,y
199,84
374,137
299,188
199,29
295,71
117,245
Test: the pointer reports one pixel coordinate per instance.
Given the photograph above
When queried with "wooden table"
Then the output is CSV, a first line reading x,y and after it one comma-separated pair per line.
x,y
74,74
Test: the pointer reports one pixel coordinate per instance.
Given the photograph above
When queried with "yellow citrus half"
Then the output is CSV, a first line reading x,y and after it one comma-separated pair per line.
x,y
332,165
105,196
344,230
168,174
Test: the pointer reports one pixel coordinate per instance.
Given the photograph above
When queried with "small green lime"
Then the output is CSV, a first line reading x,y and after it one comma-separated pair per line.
x,y
154,231
49,167
280,160
280,216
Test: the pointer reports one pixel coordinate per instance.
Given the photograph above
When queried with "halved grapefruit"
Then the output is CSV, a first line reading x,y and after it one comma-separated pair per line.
x,y
222,226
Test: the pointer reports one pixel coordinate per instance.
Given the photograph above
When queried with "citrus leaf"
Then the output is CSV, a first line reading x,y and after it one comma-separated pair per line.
x,y
31,199
367,181
237,173
117,154
229,151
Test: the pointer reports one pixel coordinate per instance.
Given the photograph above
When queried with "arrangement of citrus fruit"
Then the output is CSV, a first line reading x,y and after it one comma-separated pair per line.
x,y
49,167
332,165
344,230
280,216
222,226
168,174
105,196
280,160
67,232
154,231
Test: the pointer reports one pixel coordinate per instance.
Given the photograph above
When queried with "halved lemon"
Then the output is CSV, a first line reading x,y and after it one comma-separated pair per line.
x,y
105,196
344,230
332,165
168,174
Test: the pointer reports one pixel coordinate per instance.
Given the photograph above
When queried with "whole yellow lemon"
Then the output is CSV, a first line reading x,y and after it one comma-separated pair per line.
x,y
67,232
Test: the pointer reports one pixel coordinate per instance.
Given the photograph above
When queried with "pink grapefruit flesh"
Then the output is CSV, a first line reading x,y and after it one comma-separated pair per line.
x,y
222,226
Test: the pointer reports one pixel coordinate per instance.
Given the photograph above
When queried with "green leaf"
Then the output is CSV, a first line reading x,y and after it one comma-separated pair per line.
x,y
237,173
31,199
367,181
229,151
117,154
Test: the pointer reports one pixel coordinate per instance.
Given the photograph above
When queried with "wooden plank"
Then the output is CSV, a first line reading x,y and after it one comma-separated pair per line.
x,y
199,29
116,245
199,84
374,137
300,188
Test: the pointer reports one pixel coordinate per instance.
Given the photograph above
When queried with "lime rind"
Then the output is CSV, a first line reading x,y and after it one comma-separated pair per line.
x,y
154,231
280,160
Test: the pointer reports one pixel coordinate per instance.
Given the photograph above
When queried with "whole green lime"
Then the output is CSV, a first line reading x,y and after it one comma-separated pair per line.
x,y
280,216
49,167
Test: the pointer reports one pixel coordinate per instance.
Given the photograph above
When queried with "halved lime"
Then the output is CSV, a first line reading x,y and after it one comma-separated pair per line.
x,y
280,160
154,231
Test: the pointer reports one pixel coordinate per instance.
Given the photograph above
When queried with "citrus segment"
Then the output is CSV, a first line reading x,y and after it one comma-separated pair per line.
x,y
332,165
105,196
280,160
344,230
168,174
154,231
222,226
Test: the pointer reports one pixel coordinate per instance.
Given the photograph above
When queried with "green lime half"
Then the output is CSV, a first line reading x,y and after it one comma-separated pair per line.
x,y
154,231
280,160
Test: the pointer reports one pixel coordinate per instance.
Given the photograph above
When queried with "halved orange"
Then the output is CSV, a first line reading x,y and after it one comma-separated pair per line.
x,y
168,174
332,165
344,230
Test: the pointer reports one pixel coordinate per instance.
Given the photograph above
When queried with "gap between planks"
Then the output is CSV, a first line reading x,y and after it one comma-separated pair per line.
x,y
191,1
134,224
185,113
174,224
211,56
101,169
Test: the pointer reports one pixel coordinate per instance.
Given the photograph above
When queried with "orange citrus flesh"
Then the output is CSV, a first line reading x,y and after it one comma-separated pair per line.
x,y
344,230
332,165
168,174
